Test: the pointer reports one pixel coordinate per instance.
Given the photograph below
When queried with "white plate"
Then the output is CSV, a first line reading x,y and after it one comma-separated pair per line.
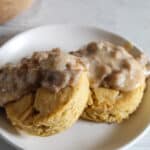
x,y
83,135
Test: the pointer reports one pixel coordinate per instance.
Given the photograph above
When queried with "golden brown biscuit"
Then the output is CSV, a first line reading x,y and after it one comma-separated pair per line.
x,y
47,113
107,105
11,8
116,81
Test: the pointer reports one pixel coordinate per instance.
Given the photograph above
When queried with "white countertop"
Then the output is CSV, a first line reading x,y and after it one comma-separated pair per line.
x,y
129,18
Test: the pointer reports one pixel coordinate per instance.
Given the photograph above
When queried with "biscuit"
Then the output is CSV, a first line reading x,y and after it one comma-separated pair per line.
x,y
108,105
117,81
45,113
11,8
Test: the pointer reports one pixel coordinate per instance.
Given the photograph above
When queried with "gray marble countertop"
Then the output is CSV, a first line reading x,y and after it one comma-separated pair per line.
x,y
129,18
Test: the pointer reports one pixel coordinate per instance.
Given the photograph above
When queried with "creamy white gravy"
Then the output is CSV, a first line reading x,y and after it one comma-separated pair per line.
x,y
112,66
54,70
